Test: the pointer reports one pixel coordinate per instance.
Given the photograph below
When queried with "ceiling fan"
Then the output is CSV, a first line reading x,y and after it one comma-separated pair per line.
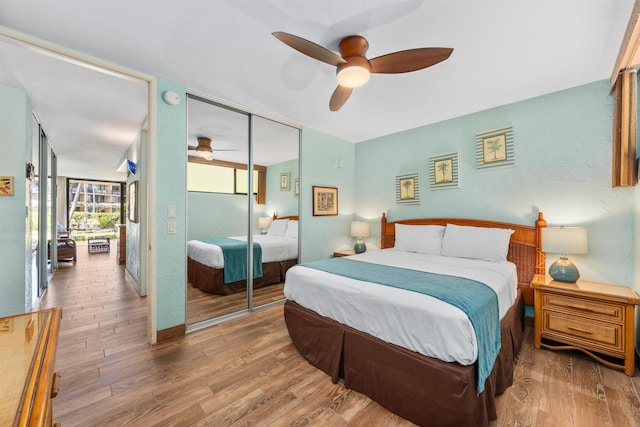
x,y
204,149
353,67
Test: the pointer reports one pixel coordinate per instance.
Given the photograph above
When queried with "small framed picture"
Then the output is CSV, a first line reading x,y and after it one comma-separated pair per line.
x,y
443,171
284,181
408,188
132,207
6,186
495,148
325,201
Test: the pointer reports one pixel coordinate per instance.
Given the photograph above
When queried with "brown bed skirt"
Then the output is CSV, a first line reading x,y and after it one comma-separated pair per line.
x,y
424,390
209,279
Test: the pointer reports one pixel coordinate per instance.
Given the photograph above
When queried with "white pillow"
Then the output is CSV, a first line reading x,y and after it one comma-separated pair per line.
x,y
489,244
278,228
292,229
425,239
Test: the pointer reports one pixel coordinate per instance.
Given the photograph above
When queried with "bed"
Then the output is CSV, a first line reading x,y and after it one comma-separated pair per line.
x,y
279,247
438,389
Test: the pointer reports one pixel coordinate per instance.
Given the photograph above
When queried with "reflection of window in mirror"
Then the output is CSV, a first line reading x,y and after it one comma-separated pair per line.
x,y
207,177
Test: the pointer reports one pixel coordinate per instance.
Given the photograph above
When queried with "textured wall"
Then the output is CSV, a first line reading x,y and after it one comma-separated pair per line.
x,y
15,135
562,167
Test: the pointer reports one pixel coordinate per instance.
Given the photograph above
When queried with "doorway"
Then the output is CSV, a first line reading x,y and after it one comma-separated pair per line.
x,y
80,88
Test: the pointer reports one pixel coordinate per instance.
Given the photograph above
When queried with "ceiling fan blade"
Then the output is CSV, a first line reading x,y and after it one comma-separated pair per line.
x,y
339,97
409,60
309,48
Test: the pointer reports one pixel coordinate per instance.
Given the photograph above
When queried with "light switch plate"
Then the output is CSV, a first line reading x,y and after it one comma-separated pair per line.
x,y
171,228
171,211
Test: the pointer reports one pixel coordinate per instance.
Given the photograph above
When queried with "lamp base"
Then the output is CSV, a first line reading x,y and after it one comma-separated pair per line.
x,y
563,270
360,247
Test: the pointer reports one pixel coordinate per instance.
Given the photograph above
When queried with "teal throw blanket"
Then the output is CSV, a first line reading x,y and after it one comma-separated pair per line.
x,y
477,300
235,258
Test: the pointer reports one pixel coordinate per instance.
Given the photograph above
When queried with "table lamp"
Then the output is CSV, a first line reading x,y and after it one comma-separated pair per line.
x,y
264,223
360,230
564,241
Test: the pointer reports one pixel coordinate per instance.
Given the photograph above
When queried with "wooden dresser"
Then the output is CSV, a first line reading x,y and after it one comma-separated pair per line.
x,y
595,318
122,244
28,382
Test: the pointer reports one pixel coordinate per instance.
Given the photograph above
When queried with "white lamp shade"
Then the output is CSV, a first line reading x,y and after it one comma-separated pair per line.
x,y
360,229
264,222
564,240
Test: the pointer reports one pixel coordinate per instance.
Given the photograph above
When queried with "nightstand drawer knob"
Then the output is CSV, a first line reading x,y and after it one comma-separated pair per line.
x,y
584,331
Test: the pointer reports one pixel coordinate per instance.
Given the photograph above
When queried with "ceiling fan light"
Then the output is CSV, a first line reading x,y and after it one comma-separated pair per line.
x,y
205,154
353,76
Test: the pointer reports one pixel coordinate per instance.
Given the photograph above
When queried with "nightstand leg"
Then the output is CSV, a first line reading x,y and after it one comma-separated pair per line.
x,y
537,318
629,359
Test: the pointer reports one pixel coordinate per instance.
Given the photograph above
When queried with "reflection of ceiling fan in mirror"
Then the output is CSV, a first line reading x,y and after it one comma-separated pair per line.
x,y
204,149
352,66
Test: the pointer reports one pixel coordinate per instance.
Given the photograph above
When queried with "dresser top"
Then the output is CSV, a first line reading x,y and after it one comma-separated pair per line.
x,y
23,340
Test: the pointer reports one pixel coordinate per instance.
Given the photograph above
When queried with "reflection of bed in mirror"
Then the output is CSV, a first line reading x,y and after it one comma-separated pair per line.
x,y
401,347
279,251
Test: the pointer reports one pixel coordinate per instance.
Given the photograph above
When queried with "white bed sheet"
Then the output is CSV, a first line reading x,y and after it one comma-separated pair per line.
x,y
412,320
274,248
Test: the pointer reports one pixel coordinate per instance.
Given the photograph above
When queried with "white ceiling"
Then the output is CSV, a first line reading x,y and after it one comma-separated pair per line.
x,y
504,51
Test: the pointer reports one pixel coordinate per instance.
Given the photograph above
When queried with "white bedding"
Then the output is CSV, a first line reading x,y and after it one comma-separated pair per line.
x,y
274,249
412,320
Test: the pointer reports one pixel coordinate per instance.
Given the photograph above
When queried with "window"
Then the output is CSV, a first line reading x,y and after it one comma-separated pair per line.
x,y
230,178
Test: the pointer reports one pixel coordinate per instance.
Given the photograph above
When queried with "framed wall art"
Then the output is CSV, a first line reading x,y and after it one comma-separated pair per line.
x,y
6,186
132,207
325,201
284,181
408,188
443,171
495,148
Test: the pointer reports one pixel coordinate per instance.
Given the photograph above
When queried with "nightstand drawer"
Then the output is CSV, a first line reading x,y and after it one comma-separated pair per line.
x,y
584,307
589,333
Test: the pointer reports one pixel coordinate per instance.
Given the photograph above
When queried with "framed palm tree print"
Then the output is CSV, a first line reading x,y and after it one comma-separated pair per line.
x,y
495,148
443,171
408,188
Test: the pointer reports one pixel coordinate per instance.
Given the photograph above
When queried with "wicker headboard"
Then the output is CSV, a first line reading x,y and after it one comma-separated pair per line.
x,y
294,217
524,248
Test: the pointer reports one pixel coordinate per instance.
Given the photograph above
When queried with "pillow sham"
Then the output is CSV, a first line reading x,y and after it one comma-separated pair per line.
x,y
424,239
489,244
278,228
292,229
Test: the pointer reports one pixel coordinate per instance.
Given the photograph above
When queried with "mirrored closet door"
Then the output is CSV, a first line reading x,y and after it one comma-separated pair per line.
x,y
229,207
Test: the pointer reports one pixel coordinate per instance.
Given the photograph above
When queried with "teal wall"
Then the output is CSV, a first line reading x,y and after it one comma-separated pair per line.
x,y
217,215
562,167
171,272
326,161
133,265
282,202
15,250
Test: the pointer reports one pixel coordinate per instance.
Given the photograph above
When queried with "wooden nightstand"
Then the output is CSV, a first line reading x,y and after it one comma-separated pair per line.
x,y
595,318
345,252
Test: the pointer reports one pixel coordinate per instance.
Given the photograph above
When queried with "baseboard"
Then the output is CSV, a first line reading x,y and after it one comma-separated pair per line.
x,y
171,333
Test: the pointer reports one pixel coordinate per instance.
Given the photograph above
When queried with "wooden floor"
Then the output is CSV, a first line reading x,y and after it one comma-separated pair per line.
x,y
246,371
203,306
